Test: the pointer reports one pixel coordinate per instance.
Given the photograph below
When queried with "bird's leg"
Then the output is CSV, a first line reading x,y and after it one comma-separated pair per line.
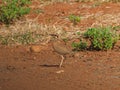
x,y
61,62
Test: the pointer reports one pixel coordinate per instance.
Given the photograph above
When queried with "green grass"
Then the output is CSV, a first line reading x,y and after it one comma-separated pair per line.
x,y
26,38
79,46
74,19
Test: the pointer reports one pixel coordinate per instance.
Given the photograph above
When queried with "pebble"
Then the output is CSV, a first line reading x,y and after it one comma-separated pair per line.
x,y
60,71
36,48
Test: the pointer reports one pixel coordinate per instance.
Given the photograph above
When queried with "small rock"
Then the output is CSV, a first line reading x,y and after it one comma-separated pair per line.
x,y
34,58
36,48
60,71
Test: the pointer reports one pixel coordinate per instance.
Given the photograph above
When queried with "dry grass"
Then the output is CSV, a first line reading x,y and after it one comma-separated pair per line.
x,y
106,20
30,31
51,1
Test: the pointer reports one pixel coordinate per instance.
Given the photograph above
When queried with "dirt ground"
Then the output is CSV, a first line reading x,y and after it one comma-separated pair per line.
x,y
24,70
21,69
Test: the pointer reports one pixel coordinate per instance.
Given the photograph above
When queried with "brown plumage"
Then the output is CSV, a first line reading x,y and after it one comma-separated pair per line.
x,y
61,49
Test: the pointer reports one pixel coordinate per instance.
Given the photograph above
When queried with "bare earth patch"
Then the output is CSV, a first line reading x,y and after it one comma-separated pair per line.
x,y
23,69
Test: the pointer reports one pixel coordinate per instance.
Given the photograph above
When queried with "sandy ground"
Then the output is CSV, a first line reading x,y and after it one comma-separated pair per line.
x,y
89,70
21,69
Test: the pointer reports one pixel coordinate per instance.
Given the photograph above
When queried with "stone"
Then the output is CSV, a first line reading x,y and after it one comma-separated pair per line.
x,y
36,48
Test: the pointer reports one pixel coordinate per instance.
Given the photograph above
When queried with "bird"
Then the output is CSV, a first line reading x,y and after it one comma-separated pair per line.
x,y
62,50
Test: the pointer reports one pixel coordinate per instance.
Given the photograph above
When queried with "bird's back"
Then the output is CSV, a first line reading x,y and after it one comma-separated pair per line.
x,y
61,48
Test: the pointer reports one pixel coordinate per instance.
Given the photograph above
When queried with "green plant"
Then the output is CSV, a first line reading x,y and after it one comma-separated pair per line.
x,y
117,28
79,46
5,40
101,38
78,33
13,9
74,19
65,40
25,38
96,4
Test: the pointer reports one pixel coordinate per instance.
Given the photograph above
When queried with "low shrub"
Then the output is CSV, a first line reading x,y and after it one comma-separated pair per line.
x,y
74,19
79,46
13,9
102,38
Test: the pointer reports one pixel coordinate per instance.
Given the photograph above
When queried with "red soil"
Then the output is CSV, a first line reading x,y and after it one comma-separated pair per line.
x,y
21,69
